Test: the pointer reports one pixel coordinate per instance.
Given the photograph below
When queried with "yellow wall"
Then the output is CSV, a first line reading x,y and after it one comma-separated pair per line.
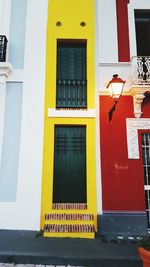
x,y
70,13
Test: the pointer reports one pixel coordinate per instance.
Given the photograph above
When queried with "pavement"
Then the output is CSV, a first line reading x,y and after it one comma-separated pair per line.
x,y
29,247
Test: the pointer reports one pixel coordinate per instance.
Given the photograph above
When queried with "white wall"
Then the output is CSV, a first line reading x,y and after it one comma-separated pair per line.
x,y
25,212
107,44
107,31
5,9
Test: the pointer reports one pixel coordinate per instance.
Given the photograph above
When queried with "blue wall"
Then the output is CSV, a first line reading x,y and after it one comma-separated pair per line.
x,y
11,142
17,33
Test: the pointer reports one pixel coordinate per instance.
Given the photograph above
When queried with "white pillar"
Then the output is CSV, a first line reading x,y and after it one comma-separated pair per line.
x,y
5,70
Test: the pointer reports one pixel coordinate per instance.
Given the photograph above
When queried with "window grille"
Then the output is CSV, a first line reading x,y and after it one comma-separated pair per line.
x,y
71,85
146,168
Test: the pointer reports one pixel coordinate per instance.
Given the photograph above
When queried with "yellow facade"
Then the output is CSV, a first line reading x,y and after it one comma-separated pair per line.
x,y
70,13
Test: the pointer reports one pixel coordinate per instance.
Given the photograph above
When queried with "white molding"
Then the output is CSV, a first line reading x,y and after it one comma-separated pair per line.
x,y
115,64
133,125
141,89
53,113
5,69
106,93
17,75
134,90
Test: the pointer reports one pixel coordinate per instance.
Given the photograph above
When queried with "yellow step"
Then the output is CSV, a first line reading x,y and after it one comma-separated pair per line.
x,y
71,235
65,222
69,228
69,206
69,216
79,224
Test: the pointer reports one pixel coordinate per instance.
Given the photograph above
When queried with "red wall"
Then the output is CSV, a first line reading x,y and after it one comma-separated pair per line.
x,y
122,178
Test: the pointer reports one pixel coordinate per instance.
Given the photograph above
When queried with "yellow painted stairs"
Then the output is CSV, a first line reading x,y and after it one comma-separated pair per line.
x,y
77,224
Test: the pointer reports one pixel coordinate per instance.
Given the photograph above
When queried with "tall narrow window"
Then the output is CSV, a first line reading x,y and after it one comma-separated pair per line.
x,y
142,23
71,89
146,167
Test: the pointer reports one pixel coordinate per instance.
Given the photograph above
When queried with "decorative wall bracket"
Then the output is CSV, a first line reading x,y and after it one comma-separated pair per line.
x,y
138,94
137,102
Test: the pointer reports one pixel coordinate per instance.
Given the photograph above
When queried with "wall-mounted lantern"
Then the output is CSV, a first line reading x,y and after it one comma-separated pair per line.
x,y
115,87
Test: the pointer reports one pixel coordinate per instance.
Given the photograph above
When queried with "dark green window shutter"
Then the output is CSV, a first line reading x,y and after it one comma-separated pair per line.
x,y
69,185
71,75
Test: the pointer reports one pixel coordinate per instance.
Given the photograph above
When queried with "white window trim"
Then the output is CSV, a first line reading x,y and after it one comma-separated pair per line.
x,y
68,113
133,125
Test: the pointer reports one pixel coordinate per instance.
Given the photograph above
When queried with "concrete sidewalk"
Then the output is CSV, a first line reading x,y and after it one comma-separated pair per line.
x,y
30,247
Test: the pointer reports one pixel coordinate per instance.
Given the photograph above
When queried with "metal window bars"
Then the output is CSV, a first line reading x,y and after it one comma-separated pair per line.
x,y
71,94
146,168
3,48
139,73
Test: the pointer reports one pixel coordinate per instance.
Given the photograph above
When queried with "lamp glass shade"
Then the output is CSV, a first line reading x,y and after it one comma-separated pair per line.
x,y
115,89
115,86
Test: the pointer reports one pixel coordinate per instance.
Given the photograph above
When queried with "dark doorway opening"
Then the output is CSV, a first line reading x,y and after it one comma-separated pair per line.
x,y
142,23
